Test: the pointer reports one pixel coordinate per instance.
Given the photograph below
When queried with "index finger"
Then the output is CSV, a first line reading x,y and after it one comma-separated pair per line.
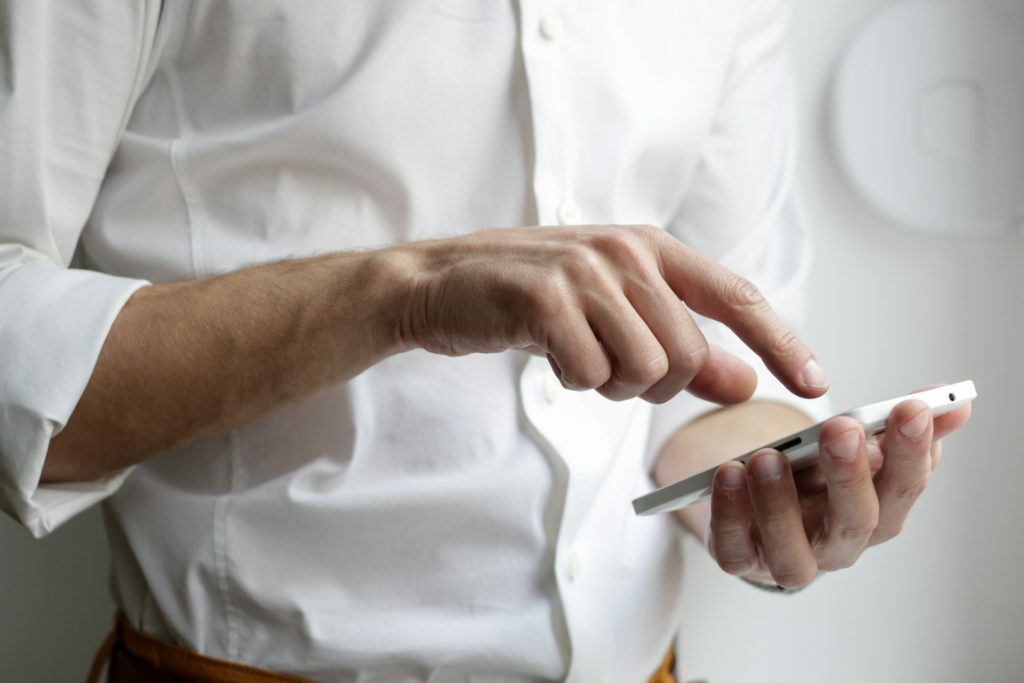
x,y
716,292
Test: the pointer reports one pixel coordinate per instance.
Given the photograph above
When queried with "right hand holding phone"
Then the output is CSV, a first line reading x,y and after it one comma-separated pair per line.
x,y
769,526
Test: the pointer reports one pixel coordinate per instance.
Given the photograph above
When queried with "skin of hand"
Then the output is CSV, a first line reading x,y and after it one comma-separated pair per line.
x,y
603,304
194,359
768,525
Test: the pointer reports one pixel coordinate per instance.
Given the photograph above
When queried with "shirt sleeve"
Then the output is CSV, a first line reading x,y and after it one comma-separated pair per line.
x,y
741,209
69,75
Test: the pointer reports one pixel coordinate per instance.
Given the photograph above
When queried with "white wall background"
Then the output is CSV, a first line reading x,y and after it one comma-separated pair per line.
x,y
890,310
55,607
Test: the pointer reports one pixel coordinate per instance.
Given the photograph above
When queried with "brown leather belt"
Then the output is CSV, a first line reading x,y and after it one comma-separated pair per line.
x,y
136,657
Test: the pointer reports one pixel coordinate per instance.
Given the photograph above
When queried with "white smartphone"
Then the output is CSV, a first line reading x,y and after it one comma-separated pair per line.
x,y
801,448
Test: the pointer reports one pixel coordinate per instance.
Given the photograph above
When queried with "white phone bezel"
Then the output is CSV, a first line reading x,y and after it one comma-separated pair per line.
x,y
801,448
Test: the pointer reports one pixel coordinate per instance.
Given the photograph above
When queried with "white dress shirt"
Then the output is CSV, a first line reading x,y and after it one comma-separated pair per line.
x,y
434,519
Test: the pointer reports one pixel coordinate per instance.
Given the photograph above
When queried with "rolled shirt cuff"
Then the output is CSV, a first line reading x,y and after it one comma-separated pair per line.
x,y
55,322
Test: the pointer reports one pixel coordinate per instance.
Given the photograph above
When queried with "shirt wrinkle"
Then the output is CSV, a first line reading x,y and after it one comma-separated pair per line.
x,y
434,518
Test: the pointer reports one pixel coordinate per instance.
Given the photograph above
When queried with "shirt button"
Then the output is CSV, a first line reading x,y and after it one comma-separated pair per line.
x,y
568,214
551,389
552,28
573,567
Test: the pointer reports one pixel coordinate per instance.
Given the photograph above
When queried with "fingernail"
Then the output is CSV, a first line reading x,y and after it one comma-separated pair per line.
x,y
765,466
844,446
814,376
915,429
731,477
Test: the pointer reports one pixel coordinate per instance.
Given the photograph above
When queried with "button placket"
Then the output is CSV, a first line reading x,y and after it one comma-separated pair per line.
x,y
548,406
544,59
552,28
568,214
573,566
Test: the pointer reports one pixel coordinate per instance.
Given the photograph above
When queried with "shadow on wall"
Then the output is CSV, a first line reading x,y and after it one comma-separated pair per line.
x,y
926,115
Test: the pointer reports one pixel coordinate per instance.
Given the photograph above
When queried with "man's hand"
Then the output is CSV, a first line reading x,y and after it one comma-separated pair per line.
x,y
193,359
603,304
768,525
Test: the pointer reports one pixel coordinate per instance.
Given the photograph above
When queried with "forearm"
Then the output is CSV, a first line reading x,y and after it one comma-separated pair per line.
x,y
718,436
193,359
188,360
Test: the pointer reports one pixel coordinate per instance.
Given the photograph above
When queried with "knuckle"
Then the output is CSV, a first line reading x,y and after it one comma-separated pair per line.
x,y
646,230
694,354
726,527
794,577
856,532
584,264
613,390
659,395
551,278
592,376
653,370
785,342
644,374
839,562
776,516
551,296
650,234
742,293
850,483
910,491
686,361
611,241
889,532
735,565
628,247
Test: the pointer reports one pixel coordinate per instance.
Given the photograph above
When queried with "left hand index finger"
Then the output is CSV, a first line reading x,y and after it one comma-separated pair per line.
x,y
714,291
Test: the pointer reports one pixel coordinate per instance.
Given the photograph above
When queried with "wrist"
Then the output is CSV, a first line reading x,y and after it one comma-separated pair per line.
x,y
357,300
397,280
418,272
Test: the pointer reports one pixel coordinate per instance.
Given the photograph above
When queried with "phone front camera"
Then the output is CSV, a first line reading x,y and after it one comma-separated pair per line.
x,y
952,397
